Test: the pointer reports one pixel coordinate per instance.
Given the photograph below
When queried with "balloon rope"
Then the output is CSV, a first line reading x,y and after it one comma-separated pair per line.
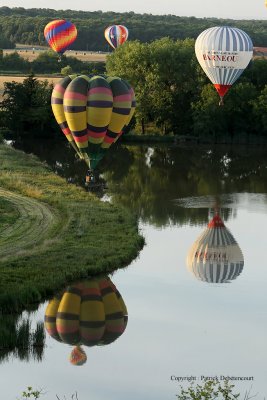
x,y
87,160
76,149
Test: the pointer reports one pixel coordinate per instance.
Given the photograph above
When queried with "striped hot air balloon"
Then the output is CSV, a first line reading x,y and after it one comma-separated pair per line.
x,y
215,257
223,53
60,34
116,35
88,313
92,112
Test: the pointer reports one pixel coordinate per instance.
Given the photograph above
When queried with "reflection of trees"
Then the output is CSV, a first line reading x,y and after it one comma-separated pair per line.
x,y
150,188
148,180
19,340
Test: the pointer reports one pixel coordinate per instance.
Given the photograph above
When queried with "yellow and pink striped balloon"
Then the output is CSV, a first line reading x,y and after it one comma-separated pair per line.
x,y
92,112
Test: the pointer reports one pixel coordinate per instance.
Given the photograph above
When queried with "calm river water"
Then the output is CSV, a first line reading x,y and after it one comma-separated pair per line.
x,y
183,322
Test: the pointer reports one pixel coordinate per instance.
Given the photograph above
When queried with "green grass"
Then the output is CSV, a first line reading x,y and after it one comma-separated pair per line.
x,y
58,232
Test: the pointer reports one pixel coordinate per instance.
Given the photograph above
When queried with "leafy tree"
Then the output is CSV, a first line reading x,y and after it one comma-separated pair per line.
x,y
66,70
26,107
212,389
163,74
235,117
14,62
21,25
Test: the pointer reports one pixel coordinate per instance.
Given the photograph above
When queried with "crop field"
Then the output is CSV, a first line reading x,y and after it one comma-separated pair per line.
x,y
20,79
32,53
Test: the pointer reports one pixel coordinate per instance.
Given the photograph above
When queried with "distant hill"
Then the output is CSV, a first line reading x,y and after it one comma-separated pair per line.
x,y
20,25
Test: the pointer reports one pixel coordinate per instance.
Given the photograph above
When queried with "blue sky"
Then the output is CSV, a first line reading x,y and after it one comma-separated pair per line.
x,y
237,9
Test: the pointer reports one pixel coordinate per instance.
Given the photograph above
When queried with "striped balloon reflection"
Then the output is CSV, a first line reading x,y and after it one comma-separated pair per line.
x,y
215,257
88,313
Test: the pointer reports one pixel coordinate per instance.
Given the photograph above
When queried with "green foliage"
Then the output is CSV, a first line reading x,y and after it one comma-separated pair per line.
x,y
210,390
66,70
174,96
14,62
236,116
163,74
30,393
21,25
26,108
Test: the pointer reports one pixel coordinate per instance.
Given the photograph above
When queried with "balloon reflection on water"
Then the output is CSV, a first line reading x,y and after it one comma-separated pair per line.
x,y
215,257
88,313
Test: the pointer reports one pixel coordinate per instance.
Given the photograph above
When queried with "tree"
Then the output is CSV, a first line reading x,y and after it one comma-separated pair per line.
x,y
163,75
215,123
26,107
66,70
211,389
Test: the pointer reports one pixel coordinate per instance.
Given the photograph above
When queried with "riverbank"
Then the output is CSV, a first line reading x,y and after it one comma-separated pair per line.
x,y
61,233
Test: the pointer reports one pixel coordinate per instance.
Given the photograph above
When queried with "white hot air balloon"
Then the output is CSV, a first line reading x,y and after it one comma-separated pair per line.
x,y
223,52
215,257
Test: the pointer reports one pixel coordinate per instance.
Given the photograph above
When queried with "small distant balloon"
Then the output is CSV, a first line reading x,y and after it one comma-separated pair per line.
x,y
116,35
223,52
215,257
60,34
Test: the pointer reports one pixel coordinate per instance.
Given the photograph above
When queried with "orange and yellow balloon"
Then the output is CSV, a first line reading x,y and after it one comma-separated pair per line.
x,y
60,34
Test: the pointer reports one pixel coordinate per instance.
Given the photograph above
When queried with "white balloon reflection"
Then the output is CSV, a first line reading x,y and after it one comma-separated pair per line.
x,y
215,257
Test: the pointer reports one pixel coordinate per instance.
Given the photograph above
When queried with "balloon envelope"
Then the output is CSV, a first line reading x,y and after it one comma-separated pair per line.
x,y
88,313
60,34
223,52
92,112
215,257
78,356
116,35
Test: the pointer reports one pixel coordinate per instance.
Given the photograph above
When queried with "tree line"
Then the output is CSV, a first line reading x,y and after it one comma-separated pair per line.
x,y
174,96
26,26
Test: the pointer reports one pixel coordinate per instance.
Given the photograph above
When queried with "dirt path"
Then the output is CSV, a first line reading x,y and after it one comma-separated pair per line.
x,y
31,229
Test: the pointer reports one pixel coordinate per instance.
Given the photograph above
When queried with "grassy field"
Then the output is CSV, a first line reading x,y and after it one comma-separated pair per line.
x,y
53,233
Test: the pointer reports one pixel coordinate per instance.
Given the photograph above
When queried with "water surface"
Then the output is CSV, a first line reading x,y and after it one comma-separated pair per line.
x,y
178,326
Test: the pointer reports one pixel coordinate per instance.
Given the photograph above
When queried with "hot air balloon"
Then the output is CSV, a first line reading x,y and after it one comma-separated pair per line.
x,y
60,34
92,112
223,53
88,313
116,35
215,257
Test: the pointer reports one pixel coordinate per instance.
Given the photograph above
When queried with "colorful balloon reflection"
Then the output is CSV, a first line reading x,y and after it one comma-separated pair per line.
x,y
88,313
215,257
